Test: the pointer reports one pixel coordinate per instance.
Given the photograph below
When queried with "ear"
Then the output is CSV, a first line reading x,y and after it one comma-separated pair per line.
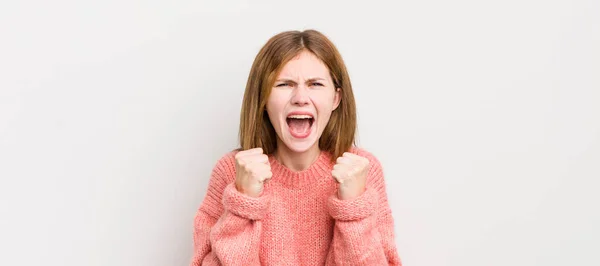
x,y
337,98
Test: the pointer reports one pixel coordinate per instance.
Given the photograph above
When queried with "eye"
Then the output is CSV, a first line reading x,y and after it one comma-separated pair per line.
x,y
282,85
317,84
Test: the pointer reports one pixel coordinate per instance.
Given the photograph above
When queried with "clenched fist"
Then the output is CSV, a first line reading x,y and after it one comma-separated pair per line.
x,y
350,171
252,168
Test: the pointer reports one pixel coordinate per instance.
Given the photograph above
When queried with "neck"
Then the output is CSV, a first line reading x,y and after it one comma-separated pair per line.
x,y
297,161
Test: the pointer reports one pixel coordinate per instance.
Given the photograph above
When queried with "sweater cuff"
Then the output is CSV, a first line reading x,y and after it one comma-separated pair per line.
x,y
245,206
354,209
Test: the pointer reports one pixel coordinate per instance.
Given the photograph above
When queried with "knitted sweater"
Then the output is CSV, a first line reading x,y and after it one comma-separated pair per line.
x,y
298,220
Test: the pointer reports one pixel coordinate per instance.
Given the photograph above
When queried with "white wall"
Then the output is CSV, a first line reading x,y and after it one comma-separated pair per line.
x,y
485,115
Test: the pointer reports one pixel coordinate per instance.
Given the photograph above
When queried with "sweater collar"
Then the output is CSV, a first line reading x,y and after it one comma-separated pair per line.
x,y
319,170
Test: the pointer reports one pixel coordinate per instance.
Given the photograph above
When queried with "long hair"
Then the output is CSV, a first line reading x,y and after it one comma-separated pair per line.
x,y
256,129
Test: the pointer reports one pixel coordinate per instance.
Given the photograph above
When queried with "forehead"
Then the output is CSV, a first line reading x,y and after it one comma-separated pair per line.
x,y
304,65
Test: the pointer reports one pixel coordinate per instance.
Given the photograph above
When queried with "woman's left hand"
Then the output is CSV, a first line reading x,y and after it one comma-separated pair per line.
x,y
350,171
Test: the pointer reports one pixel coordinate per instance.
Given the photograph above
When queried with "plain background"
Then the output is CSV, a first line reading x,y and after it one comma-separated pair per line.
x,y
484,114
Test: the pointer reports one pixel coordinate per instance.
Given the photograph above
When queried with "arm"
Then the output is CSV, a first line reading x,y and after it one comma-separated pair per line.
x,y
364,227
227,226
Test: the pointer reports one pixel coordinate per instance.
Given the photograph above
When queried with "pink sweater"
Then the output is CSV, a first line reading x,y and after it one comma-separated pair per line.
x,y
298,220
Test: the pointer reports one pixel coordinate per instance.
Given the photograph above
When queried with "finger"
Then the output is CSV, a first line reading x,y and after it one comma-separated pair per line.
x,y
352,156
257,158
334,174
263,175
255,150
259,167
343,160
267,175
249,152
356,159
337,175
342,170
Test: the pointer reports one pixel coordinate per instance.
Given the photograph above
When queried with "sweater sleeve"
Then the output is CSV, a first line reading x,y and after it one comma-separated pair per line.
x,y
227,226
364,227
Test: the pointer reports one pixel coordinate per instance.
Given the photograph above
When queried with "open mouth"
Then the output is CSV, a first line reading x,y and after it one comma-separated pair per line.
x,y
300,125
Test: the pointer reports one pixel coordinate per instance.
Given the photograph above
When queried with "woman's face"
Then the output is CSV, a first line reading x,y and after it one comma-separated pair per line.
x,y
301,102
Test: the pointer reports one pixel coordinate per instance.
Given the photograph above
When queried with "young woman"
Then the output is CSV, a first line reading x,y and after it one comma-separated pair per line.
x,y
297,192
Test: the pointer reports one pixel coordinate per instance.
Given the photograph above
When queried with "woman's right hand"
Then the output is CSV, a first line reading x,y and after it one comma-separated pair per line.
x,y
252,168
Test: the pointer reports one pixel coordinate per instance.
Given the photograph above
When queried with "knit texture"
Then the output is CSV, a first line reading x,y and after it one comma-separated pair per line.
x,y
298,220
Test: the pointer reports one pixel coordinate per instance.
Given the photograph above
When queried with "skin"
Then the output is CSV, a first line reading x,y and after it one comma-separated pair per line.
x,y
303,85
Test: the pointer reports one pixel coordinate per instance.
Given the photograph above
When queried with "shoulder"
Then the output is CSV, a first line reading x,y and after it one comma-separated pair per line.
x,y
225,166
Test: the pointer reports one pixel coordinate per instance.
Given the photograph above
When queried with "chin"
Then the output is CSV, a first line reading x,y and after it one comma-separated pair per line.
x,y
300,146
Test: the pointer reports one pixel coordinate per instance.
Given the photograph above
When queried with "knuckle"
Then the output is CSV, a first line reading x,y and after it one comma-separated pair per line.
x,y
335,174
255,175
241,162
349,174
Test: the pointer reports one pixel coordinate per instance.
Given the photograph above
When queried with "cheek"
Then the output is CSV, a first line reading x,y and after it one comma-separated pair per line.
x,y
324,102
275,106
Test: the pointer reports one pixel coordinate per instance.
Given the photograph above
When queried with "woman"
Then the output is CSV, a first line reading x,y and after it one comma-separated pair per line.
x,y
297,192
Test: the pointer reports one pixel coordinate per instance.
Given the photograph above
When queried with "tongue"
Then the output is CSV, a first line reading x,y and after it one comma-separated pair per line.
x,y
299,126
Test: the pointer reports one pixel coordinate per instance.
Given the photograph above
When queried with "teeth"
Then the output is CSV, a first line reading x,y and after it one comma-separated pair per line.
x,y
300,116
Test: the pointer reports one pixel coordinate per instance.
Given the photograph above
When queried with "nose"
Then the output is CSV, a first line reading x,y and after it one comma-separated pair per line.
x,y
300,96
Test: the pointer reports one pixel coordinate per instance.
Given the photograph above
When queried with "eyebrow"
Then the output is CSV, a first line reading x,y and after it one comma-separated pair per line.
x,y
292,81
